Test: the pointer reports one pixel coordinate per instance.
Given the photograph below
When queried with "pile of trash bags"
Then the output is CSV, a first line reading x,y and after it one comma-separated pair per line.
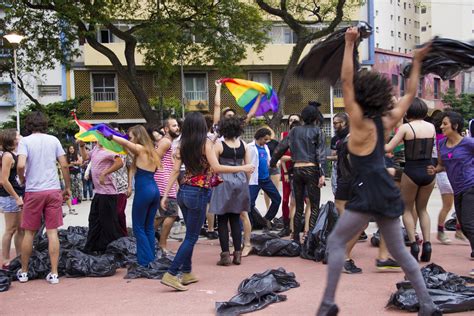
x,y
73,262
271,245
375,239
315,245
449,291
258,291
324,60
446,59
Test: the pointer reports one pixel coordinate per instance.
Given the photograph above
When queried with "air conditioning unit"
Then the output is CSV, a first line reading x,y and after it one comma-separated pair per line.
x,y
197,105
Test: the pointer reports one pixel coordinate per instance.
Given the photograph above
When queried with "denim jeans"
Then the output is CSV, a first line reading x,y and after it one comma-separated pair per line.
x,y
269,188
192,201
87,187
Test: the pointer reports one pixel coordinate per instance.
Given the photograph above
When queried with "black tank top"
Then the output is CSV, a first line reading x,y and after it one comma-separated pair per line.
x,y
418,148
12,178
233,153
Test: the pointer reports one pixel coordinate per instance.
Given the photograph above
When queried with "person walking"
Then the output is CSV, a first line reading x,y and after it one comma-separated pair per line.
x,y
197,153
37,158
75,162
11,195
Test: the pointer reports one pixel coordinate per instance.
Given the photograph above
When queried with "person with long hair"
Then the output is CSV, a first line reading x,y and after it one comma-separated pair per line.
x,y
75,162
416,184
369,104
197,153
456,157
147,195
230,198
11,194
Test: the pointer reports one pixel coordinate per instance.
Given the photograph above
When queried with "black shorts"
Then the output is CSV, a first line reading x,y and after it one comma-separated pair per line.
x,y
343,191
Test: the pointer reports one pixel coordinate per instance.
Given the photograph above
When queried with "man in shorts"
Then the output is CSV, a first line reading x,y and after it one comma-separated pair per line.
x,y
38,154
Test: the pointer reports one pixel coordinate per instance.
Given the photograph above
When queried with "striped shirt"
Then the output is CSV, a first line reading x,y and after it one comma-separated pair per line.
x,y
162,176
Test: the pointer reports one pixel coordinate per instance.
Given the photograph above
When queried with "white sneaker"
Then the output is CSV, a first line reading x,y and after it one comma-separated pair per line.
x,y
22,276
52,278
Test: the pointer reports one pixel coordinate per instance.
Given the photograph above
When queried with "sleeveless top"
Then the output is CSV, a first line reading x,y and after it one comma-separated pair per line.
x,y
163,175
236,154
374,191
418,148
13,178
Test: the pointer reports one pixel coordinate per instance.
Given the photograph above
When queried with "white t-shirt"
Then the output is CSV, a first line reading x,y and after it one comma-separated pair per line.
x,y
41,151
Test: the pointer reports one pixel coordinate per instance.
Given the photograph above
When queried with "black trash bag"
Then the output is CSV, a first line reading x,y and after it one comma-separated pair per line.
x,y
124,249
277,223
448,291
450,224
315,244
375,239
38,267
154,270
271,245
324,60
79,264
258,291
446,59
5,280
258,221
74,237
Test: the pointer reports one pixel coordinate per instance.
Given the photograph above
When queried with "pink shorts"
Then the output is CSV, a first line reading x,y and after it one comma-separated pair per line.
x,y
36,204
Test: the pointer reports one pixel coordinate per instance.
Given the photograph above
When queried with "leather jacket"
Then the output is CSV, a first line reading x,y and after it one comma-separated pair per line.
x,y
307,143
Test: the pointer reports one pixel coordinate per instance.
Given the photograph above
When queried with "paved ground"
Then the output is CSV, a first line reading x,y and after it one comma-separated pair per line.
x,y
363,294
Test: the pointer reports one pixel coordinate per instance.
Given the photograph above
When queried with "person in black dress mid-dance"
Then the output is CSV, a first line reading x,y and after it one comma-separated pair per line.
x,y
368,102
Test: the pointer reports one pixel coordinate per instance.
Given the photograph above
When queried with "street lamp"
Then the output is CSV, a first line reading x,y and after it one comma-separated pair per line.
x,y
15,39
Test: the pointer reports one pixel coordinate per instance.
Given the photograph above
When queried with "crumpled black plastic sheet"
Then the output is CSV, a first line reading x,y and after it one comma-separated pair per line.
x,y
315,245
450,224
154,270
79,264
271,245
324,60
449,291
258,291
446,59
258,222
5,280
375,239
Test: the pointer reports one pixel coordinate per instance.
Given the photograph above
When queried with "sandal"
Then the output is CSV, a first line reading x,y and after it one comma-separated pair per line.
x,y
246,250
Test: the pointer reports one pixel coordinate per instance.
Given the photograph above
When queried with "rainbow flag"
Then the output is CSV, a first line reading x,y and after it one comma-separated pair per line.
x,y
89,133
246,92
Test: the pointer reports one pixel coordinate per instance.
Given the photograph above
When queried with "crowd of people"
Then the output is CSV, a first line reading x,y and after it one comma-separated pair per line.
x,y
387,157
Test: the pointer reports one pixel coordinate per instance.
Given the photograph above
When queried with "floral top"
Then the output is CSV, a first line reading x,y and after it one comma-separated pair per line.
x,y
202,179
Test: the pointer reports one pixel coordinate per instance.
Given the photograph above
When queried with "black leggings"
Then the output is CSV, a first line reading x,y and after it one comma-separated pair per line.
x,y
223,230
305,178
463,203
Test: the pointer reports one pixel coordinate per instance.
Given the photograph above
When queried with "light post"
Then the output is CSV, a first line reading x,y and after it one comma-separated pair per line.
x,y
15,39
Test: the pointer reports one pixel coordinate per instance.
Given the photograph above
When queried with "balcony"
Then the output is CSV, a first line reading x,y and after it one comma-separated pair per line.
x,y
104,102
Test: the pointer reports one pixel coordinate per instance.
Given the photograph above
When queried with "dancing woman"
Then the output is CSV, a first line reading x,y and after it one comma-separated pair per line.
x,y
196,152
416,185
368,101
147,194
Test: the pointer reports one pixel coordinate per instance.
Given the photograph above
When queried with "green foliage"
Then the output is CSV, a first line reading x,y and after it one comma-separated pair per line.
x,y
462,103
61,123
167,106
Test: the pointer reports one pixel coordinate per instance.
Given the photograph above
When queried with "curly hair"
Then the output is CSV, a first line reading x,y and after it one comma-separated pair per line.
x,y
36,122
373,92
230,127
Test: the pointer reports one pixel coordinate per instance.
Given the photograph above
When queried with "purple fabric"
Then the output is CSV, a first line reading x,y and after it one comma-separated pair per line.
x,y
268,104
459,164
107,131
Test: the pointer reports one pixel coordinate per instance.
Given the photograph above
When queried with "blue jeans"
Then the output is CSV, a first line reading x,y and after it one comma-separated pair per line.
x,y
270,189
87,188
192,201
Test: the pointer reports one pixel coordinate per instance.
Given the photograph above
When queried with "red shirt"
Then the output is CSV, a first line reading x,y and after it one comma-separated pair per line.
x,y
289,163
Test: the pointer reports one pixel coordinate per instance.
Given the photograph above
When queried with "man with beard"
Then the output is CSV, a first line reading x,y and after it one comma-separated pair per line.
x,y
165,151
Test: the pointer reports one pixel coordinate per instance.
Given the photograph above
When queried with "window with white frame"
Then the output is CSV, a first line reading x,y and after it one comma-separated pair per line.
x,y
281,34
104,87
261,76
104,36
49,90
195,86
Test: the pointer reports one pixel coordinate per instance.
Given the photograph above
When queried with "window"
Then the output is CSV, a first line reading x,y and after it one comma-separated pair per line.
x,y
409,36
405,36
376,12
417,40
195,86
391,17
49,90
421,84
395,80
376,29
391,33
423,10
280,34
452,85
377,45
405,21
399,34
409,21
398,2
416,9
436,87
404,5
399,18
262,77
6,94
417,24
391,48
105,36
423,28
402,85
399,49
406,51
103,87
409,5
4,52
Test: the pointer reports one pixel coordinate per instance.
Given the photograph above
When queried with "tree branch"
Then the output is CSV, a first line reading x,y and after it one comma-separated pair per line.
x,y
283,13
21,85
30,5
335,22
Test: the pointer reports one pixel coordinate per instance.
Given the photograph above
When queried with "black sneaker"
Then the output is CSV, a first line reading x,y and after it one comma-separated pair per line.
x,y
212,235
363,237
350,267
387,265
